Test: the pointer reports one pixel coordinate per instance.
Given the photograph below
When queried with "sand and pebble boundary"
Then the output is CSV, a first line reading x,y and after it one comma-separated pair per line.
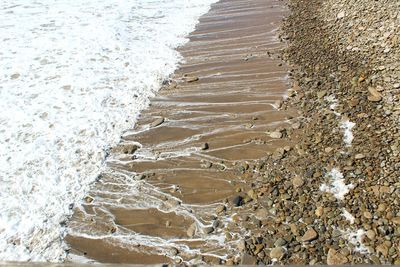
x,y
332,196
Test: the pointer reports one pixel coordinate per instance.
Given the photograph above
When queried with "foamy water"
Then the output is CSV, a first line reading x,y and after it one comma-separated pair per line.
x,y
73,76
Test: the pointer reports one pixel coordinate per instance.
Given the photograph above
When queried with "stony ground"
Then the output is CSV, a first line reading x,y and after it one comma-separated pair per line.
x,y
334,198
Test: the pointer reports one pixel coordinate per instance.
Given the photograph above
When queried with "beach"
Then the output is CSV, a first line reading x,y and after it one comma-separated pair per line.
x,y
262,132
261,149
175,185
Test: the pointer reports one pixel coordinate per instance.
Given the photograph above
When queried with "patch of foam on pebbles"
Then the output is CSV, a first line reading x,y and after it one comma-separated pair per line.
x,y
348,216
355,238
333,103
347,127
337,185
73,76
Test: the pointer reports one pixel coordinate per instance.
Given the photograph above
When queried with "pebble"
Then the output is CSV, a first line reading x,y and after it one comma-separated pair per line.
x,y
191,79
191,231
336,258
359,156
280,242
297,182
309,235
204,146
15,76
277,253
208,230
341,15
157,122
238,201
248,260
220,209
276,135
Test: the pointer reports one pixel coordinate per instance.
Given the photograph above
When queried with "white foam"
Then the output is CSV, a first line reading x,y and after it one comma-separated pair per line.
x,y
337,185
355,238
348,216
347,127
73,76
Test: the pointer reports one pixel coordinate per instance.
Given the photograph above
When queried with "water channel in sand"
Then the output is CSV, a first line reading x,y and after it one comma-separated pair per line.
x,y
163,201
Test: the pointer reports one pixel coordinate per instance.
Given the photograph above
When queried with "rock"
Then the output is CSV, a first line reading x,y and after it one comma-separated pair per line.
x,y
205,146
383,249
125,149
370,234
359,156
241,245
396,220
261,214
220,209
278,154
291,93
297,182
280,242
208,230
157,122
341,15
276,135
309,235
173,203
367,215
278,104
248,260
174,252
374,96
319,211
252,194
89,199
321,94
296,125
191,231
15,76
191,79
335,258
277,253
238,201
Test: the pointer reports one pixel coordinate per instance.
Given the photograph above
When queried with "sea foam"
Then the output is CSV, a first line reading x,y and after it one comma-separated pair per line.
x,y
73,76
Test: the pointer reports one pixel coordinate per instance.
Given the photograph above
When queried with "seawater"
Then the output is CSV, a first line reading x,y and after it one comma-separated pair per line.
x,y
73,76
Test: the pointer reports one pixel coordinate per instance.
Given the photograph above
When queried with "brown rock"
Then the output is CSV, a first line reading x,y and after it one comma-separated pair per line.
x,y
276,135
277,253
335,258
248,260
383,249
191,231
396,220
191,79
157,122
374,96
309,235
319,211
297,182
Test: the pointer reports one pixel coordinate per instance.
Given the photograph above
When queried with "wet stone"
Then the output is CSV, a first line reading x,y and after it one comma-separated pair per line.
x,y
238,201
157,122
204,146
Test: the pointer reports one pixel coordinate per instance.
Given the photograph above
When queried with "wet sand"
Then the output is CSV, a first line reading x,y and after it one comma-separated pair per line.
x,y
175,198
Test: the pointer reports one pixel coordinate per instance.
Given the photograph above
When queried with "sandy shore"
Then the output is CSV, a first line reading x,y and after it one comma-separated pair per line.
x,y
176,187
219,170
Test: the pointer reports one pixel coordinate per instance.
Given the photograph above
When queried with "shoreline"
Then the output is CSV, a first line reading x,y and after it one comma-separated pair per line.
x,y
233,175
173,186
